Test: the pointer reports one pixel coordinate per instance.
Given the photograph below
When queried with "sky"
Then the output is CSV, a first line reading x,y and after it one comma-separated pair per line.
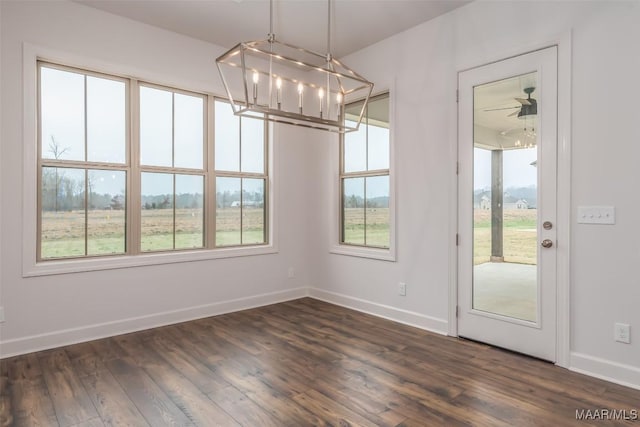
x,y
517,170
171,133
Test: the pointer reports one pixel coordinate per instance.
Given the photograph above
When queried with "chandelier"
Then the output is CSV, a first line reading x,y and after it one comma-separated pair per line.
x,y
279,82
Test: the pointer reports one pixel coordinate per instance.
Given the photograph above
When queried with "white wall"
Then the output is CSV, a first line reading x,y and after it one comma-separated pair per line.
x,y
422,65
53,310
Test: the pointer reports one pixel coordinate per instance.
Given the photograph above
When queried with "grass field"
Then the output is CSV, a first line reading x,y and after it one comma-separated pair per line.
x,y
519,234
63,233
377,229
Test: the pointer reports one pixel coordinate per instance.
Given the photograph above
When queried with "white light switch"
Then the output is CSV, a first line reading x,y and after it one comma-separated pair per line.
x,y
596,215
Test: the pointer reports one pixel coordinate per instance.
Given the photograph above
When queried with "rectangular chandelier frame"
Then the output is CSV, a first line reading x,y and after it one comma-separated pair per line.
x,y
282,83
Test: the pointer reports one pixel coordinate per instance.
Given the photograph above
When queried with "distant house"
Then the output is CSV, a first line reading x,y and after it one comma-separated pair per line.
x,y
485,202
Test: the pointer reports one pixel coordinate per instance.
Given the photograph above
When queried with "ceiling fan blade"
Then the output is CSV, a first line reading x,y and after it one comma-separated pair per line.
x,y
515,113
523,101
500,109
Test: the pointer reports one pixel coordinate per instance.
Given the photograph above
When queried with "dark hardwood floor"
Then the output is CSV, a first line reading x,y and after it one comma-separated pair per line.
x,y
298,363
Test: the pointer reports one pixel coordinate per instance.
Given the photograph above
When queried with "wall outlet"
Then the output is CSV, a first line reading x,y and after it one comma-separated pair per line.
x,y
291,273
402,289
1,314
622,333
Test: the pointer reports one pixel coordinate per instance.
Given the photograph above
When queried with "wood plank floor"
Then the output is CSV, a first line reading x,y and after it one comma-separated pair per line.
x,y
298,363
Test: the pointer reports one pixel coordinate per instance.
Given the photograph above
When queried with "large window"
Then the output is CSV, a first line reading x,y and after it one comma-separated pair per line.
x,y
241,179
83,163
172,152
364,176
114,181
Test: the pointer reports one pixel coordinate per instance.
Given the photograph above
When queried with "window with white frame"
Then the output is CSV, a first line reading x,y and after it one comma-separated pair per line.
x,y
241,178
364,176
106,190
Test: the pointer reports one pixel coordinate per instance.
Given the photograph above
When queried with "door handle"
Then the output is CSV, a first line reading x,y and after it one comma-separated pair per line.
x,y
546,243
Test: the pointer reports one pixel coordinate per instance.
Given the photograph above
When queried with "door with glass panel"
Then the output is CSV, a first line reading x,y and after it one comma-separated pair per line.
x,y
507,144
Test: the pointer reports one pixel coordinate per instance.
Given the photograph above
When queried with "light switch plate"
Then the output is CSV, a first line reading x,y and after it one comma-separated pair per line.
x,y
596,215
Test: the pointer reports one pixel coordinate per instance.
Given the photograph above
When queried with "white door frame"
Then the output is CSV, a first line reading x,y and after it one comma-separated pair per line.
x,y
563,270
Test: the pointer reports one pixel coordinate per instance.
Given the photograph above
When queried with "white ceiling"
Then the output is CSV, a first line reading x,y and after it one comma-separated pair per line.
x,y
494,103
355,23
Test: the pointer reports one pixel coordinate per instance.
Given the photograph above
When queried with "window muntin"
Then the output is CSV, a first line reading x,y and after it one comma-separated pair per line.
x,y
87,181
364,177
241,178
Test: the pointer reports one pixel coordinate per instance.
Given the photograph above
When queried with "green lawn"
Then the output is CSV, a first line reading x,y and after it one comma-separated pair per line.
x,y
63,233
376,232
519,234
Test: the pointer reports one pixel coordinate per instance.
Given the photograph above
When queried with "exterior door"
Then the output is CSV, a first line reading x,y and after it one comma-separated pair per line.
x,y
507,139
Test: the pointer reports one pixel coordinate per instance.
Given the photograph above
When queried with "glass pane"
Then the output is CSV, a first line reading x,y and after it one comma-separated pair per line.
x,y
156,127
62,114
252,211
157,212
63,214
378,134
377,218
189,211
189,131
505,198
228,221
353,213
252,145
106,120
106,212
355,149
227,138
355,143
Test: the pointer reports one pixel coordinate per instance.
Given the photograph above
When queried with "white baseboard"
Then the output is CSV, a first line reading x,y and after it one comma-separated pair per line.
x,y
60,338
411,318
607,370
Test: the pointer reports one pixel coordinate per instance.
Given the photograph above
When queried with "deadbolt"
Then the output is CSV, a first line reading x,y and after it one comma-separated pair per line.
x,y
547,225
546,243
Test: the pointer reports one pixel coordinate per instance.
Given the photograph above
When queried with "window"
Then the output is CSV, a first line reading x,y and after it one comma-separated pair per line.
x,y
83,164
104,189
173,174
241,179
364,176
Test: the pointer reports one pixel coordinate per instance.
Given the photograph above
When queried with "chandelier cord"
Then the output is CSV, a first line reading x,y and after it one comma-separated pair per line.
x,y
271,35
329,28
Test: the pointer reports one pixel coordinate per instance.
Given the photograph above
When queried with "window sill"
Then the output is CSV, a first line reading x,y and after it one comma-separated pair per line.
x,y
364,252
47,268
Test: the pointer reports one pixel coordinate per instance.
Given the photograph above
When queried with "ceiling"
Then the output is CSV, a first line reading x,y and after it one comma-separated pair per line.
x,y
355,23
494,102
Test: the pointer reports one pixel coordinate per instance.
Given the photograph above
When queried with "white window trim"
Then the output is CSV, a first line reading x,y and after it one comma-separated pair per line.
x,y
30,267
335,246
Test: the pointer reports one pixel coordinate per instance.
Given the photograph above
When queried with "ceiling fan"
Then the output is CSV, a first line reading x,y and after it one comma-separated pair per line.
x,y
528,107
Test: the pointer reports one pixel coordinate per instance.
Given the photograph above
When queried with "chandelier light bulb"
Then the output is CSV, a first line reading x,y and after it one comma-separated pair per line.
x,y
320,96
300,90
256,77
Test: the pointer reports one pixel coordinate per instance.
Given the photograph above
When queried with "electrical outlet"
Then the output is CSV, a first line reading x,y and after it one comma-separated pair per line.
x,y
1,314
291,273
622,333
402,289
